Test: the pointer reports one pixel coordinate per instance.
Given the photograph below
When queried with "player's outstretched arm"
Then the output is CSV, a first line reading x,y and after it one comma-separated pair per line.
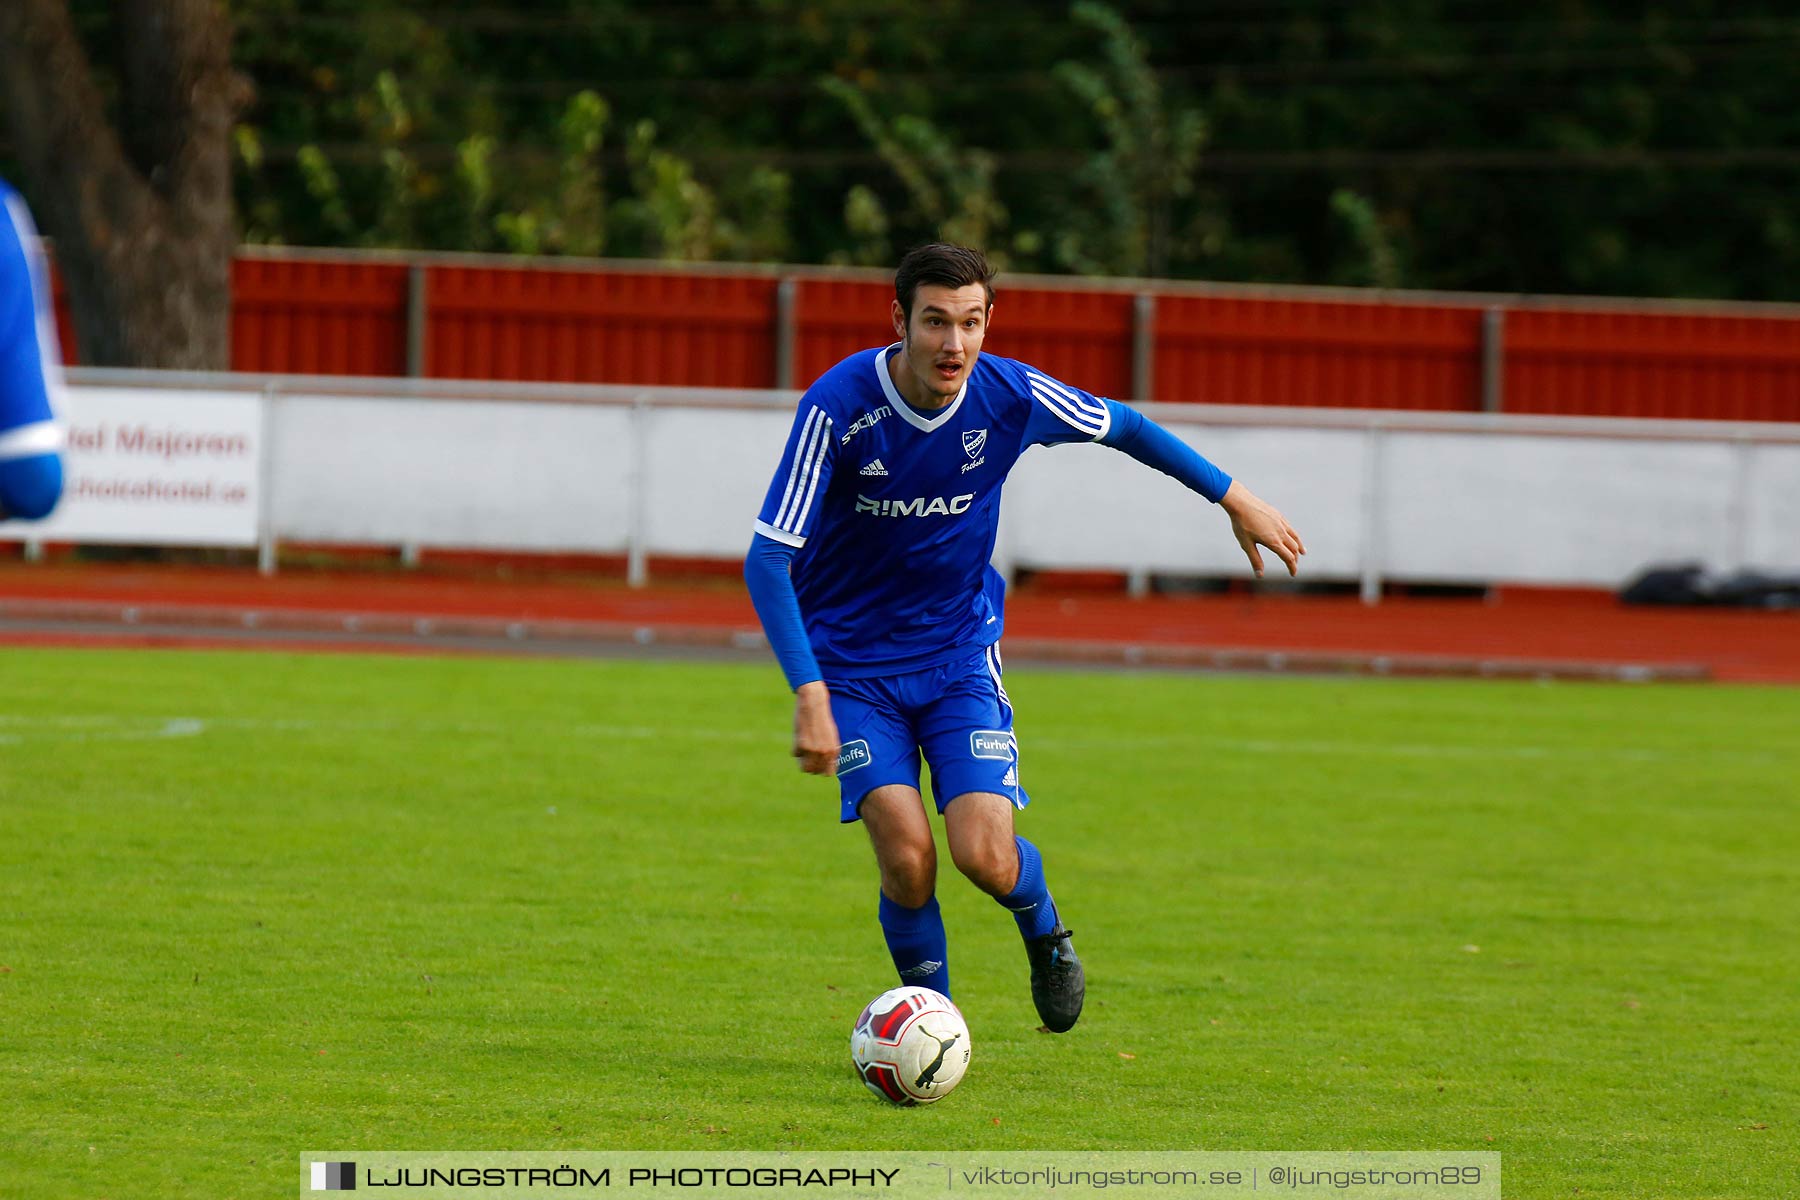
x,y
1255,523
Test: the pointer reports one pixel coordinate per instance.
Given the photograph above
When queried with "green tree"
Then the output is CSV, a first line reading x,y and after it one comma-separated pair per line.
x,y
1147,165
1373,259
950,187
1594,145
568,216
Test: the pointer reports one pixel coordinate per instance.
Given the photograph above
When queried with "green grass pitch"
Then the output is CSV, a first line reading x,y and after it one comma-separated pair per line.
x,y
253,904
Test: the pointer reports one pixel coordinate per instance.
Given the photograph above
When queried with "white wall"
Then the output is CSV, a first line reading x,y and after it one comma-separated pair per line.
x,y
1084,506
450,473
1405,496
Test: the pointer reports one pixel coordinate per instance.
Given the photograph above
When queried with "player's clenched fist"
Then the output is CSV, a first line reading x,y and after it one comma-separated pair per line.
x,y
815,732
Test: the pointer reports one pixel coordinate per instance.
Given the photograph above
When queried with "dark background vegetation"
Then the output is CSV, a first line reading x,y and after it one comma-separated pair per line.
x,y
1558,147
1588,146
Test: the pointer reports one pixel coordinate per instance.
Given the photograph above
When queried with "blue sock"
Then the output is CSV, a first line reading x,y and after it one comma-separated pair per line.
x,y
915,937
1030,900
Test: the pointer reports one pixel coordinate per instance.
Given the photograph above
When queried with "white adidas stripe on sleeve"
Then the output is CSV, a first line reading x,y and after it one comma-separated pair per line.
x,y
804,447
818,469
1089,418
1070,394
810,466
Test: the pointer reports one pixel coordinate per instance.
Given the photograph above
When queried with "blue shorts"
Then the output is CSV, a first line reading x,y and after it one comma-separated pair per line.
x,y
958,715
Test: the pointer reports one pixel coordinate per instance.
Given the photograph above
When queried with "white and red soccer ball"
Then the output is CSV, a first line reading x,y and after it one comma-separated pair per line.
x,y
910,1046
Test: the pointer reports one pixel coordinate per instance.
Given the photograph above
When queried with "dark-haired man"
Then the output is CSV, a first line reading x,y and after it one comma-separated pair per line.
x,y
870,571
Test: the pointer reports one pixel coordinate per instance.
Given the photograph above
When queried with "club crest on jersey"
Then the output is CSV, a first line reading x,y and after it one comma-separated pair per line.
x,y
973,442
918,506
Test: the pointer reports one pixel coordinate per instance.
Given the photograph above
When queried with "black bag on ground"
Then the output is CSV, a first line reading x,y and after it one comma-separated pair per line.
x,y
1684,584
1689,583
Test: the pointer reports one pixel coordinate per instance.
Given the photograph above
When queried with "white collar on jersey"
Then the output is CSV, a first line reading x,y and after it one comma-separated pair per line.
x,y
907,411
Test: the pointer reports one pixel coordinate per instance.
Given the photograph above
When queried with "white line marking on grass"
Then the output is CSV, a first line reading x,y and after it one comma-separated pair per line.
x,y
1369,749
100,729
16,728
57,728
1378,749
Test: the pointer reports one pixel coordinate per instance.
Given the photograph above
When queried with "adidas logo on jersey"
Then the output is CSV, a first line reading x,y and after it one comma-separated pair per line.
x,y
875,468
1011,778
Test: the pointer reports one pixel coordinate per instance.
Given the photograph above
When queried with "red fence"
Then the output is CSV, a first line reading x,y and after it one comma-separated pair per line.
x,y
313,317
1319,354
833,318
618,327
1653,365
311,313
1083,337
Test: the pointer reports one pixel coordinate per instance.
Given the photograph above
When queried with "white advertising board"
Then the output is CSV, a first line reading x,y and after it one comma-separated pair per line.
x,y
156,467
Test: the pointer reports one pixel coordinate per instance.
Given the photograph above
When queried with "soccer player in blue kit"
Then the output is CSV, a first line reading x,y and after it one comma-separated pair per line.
x,y
870,571
31,476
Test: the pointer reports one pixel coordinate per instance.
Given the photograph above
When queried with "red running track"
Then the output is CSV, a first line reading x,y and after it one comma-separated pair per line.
x,y
1522,632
